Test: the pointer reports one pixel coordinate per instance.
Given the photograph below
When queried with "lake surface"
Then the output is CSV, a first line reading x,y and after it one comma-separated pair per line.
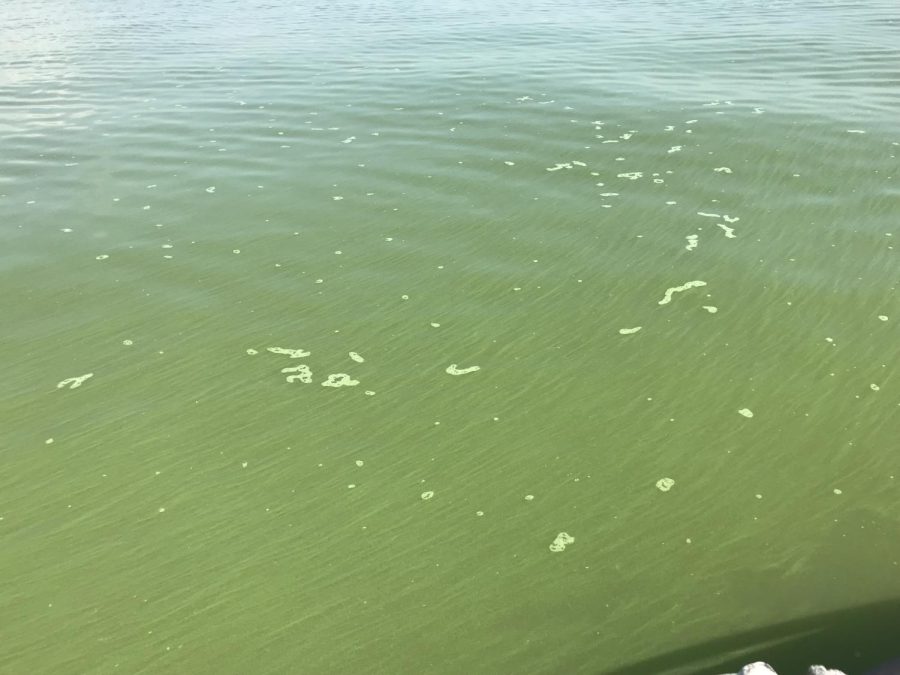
x,y
195,195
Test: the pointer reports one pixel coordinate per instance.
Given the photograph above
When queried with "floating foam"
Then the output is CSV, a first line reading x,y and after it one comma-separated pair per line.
x,y
74,382
691,242
293,353
730,219
678,289
577,163
746,412
711,309
562,540
631,175
882,317
874,387
350,139
665,484
508,163
729,231
674,148
340,380
211,189
356,357
561,165
102,256
453,370
629,331
855,131
708,215
722,169
252,352
302,373
427,495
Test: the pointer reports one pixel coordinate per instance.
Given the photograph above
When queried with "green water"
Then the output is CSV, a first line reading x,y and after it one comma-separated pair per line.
x,y
502,185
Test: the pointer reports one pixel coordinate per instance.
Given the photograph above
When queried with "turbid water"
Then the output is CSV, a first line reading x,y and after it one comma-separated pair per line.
x,y
606,294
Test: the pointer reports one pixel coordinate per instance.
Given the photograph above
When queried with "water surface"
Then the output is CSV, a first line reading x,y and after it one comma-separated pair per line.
x,y
435,184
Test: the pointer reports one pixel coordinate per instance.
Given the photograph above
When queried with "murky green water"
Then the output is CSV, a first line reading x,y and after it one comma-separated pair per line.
x,y
504,185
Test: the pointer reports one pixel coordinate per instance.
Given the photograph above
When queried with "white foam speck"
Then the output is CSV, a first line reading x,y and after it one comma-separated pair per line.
x,y
359,462
631,175
453,370
882,317
301,373
708,215
211,189
427,495
74,382
252,352
629,331
293,353
435,325
746,412
855,131
691,242
711,309
722,169
529,498
102,256
349,140
356,357
674,148
729,231
127,343
340,380
874,387
665,484
562,540
508,163
667,298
